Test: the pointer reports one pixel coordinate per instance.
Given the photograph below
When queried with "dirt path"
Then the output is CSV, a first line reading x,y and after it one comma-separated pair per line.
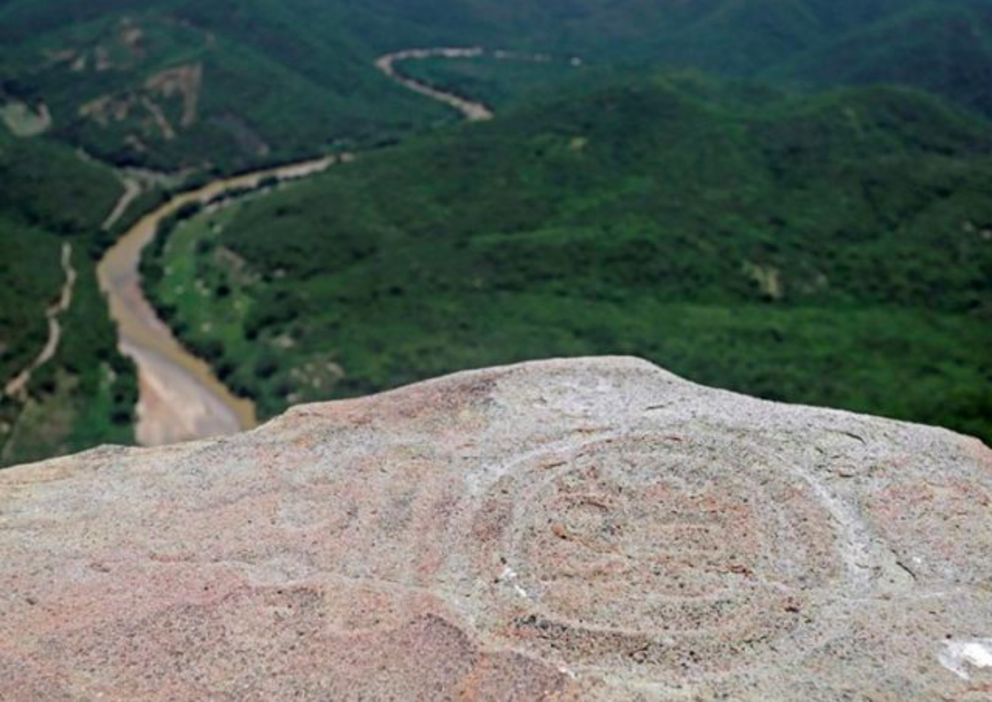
x,y
180,397
132,190
17,387
473,111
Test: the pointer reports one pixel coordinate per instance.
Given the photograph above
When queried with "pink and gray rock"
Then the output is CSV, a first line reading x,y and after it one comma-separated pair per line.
x,y
569,530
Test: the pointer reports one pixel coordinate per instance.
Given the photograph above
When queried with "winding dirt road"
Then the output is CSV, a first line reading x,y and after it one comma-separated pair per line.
x,y
180,397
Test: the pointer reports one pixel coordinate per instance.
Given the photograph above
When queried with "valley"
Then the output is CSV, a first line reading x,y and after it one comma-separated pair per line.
x,y
63,386
576,350
786,199
180,396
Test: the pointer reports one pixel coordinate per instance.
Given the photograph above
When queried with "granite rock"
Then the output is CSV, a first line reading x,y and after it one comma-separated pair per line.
x,y
566,530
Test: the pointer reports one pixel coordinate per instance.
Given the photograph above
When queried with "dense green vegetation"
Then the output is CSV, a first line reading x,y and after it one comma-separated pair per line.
x,y
761,231
503,82
231,84
221,86
834,250
86,394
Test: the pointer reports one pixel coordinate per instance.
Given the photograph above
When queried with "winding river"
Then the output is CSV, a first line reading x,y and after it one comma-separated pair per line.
x,y
180,397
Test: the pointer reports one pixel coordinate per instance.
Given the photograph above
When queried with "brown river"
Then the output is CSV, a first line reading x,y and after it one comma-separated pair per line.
x,y
180,397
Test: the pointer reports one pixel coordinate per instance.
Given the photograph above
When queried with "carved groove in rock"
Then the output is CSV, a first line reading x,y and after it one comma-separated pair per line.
x,y
658,554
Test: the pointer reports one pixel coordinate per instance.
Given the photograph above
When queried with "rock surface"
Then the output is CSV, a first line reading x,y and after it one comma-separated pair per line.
x,y
567,530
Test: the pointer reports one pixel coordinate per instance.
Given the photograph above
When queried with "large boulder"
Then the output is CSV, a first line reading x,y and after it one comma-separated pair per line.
x,y
588,529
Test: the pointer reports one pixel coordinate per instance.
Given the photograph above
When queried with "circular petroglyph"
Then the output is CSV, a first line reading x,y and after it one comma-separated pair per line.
x,y
673,556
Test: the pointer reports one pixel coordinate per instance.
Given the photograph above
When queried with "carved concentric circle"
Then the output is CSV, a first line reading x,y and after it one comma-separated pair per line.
x,y
658,553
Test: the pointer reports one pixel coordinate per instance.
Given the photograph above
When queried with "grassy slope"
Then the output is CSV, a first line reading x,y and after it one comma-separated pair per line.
x,y
85,395
833,250
941,47
297,77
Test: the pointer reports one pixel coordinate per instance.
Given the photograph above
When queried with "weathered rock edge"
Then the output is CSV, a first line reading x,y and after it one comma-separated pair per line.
x,y
584,529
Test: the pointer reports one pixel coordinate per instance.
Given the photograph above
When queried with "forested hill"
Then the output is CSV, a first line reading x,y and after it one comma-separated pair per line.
x,y
234,83
829,247
834,250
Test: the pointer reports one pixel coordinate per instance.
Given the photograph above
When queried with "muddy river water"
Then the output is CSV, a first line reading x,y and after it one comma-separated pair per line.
x,y
180,396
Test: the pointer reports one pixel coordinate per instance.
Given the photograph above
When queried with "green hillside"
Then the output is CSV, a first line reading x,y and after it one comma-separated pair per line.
x,y
85,395
944,49
834,250
231,84
207,86
29,268
749,231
